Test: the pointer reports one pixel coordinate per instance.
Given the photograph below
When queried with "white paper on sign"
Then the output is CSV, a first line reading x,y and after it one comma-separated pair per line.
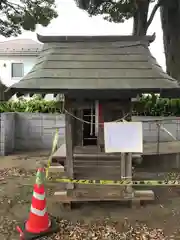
x,y
123,137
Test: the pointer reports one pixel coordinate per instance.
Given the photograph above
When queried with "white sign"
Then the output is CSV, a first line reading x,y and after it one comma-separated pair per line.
x,y
123,137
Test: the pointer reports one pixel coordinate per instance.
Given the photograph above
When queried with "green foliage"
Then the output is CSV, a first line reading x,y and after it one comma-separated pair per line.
x,y
146,106
35,105
155,106
25,14
113,11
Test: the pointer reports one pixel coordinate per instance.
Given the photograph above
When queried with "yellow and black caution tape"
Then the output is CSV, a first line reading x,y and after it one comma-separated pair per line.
x,y
54,146
105,182
120,182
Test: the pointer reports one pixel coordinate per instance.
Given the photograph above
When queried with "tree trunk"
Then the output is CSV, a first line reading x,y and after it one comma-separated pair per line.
x,y
141,18
170,19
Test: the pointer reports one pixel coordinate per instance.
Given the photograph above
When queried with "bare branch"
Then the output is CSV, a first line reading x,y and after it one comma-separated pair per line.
x,y
157,5
13,6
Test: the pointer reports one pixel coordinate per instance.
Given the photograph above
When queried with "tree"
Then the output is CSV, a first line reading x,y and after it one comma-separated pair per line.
x,y
170,18
17,15
120,10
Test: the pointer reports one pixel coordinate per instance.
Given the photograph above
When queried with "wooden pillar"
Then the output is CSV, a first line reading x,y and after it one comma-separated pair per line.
x,y
79,128
123,166
129,165
128,171
69,142
101,126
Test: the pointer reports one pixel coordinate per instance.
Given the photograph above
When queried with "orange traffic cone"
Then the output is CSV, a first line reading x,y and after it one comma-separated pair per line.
x,y
38,224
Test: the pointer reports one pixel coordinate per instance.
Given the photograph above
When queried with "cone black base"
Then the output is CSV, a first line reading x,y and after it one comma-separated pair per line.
x,y
30,236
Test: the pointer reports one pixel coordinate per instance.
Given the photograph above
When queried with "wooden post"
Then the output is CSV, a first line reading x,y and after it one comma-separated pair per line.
x,y
123,170
129,165
101,126
158,137
69,143
128,170
79,128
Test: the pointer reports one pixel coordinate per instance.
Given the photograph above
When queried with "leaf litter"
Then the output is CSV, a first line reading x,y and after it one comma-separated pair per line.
x,y
105,230
96,230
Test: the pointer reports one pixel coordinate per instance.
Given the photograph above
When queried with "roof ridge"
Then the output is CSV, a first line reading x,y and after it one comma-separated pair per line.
x,y
98,38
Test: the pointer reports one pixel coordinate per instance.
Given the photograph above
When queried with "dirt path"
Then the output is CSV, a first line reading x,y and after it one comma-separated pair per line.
x,y
16,192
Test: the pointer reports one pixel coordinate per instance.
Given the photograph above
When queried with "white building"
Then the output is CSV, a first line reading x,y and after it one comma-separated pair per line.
x,y
17,57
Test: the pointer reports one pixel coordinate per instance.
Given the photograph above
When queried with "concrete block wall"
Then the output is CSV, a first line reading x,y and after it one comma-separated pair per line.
x,y
33,131
36,131
7,136
150,129
29,131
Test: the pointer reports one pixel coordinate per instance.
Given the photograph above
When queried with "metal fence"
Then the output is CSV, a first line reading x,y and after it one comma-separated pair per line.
x,y
161,131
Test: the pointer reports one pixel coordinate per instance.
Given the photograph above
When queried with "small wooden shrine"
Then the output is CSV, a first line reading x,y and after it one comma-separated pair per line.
x,y
99,76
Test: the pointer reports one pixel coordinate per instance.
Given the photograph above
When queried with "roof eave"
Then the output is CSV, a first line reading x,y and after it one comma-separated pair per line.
x,y
105,38
95,94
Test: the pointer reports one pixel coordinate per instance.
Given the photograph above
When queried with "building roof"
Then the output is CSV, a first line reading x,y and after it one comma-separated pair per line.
x,y
20,47
92,63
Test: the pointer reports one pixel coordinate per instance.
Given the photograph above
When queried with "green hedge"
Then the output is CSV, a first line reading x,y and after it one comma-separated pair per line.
x,y
34,105
155,106
146,106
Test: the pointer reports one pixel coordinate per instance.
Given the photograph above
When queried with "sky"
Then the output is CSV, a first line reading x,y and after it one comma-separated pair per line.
x,y
74,21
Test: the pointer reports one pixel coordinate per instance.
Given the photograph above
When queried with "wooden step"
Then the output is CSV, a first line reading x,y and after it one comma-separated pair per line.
x,y
60,193
101,193
89,187
144,194
138,196
97,168
60,154
98,176
103,156
56,169
96,163
104,175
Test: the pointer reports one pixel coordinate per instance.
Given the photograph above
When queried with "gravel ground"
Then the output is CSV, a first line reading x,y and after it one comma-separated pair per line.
x,y
90,221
